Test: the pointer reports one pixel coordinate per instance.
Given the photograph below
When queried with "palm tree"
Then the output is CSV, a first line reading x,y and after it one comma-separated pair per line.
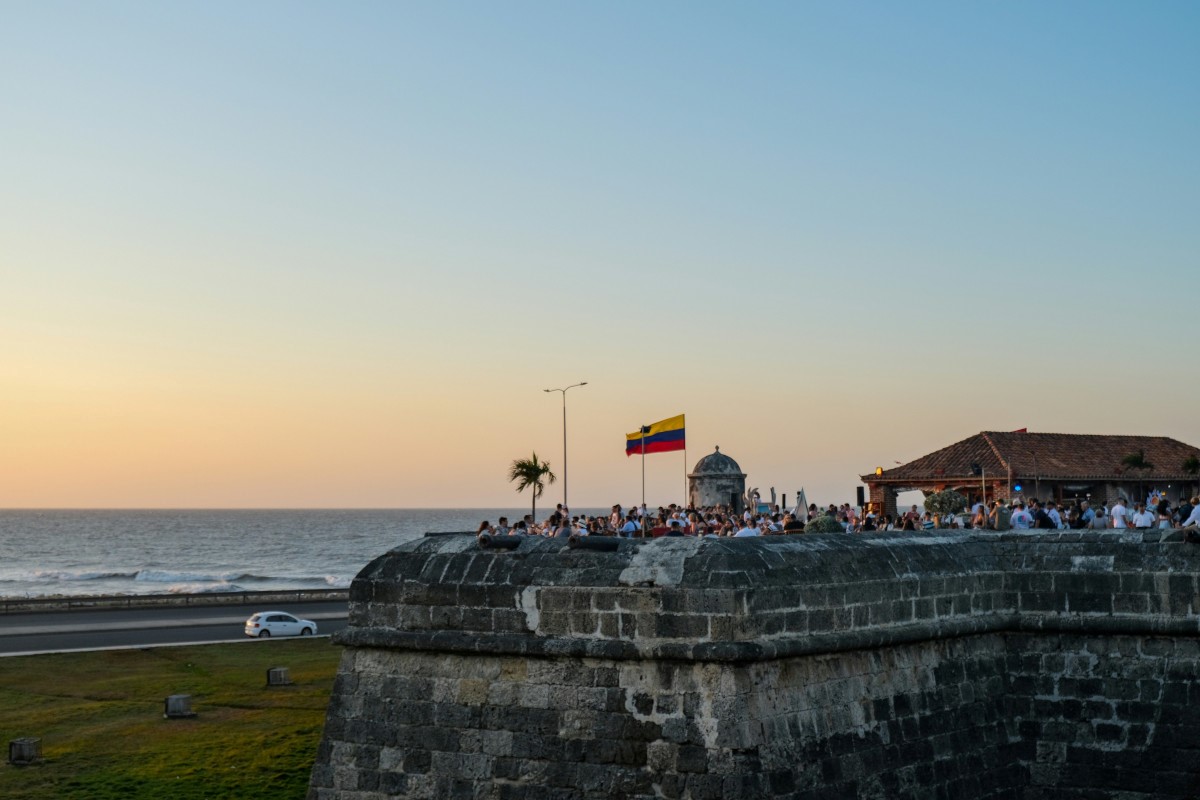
x,y
1191,465
1138,461
531,472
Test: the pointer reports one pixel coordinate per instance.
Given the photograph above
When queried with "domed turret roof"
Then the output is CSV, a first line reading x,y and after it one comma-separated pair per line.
x,y
717,463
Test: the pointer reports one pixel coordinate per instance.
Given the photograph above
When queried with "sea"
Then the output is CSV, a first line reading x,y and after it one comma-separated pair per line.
x,y
116,552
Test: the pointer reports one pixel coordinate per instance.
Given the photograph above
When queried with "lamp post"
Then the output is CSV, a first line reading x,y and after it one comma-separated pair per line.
x,y
1037,476
564,404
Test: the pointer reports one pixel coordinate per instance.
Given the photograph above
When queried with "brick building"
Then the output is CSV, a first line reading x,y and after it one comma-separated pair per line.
x,y
1050,466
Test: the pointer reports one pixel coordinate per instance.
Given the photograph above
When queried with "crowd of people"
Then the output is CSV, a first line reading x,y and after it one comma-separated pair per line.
x,y
640,521
721,521
1022,514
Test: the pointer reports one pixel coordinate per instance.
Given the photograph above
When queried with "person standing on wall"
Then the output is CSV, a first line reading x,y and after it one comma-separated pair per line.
x,y
1164,512
1184,509
1119,514
1040,518
1021,520
1087,514
1054,515
1143,518
998,519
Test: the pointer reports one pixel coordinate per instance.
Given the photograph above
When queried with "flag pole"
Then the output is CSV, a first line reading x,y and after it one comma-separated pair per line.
x,y
686,499
643,465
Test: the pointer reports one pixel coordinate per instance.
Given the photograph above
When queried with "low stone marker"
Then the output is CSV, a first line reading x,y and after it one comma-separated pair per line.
x,y
24,751
178,706
279,676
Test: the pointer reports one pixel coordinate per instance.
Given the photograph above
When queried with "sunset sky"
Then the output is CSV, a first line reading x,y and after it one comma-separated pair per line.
x,y
329,255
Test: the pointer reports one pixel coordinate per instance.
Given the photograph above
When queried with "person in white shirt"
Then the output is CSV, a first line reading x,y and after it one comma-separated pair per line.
x,y
1193,519
1052,512
1021,519
630,527
747,530
1143,518
1118,514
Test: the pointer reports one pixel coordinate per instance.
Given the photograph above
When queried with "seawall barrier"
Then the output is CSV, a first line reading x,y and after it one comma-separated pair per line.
x,y
26,605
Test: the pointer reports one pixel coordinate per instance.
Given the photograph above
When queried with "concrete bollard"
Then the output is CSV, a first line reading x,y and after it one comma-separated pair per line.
x,y
178,706
24,751
279,676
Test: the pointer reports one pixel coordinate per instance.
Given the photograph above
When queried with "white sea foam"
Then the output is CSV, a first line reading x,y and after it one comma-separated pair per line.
x,y
71,575
202,588
167,576
338,582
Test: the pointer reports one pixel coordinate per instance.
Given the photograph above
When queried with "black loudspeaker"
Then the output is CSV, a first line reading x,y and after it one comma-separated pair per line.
x,y
862,496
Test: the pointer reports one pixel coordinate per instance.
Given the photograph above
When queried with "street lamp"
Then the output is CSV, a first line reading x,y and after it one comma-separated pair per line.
x,y
564,399
1037,476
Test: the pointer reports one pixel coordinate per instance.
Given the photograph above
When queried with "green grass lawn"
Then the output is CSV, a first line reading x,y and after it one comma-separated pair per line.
x,y
100,719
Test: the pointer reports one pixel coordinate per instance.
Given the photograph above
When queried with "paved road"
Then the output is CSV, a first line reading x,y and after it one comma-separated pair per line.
x,y
57,631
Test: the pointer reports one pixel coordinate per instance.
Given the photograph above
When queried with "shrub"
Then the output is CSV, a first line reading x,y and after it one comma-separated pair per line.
x,y
945,503
824,524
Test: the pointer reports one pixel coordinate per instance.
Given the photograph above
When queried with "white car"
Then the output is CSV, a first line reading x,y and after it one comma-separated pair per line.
x,y
266,624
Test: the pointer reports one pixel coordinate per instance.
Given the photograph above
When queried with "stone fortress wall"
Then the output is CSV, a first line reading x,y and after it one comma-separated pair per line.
x,y
915,665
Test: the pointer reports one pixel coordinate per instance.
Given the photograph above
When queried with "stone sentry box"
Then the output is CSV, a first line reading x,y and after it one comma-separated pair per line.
x,y
1022,665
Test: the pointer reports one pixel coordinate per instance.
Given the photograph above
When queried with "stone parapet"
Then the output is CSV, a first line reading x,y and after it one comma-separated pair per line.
x,y
891,665
771,597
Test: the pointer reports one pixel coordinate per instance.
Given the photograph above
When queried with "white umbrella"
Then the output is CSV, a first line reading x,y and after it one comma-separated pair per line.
x,y
801,512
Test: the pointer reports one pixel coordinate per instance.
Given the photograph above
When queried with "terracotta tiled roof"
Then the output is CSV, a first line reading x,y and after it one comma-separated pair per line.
x,y
1048,455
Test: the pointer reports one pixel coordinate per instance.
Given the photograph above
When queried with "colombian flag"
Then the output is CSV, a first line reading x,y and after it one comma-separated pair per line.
x,y
661,437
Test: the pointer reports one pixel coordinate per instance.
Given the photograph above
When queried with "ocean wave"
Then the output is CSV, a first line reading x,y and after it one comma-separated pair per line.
x,y
330,580
171,576
72,575
168,576
202,588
